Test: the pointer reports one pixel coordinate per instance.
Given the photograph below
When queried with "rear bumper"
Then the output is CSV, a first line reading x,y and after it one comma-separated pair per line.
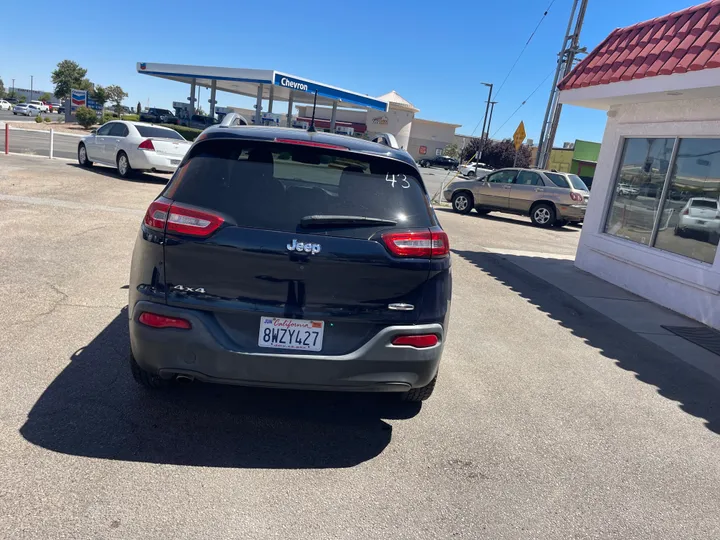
x,y
205,353
147,161
572,212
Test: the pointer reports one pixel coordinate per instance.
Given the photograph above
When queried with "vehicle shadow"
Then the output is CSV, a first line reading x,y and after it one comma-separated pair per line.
x,y
95,409
141,177
508,218
696,392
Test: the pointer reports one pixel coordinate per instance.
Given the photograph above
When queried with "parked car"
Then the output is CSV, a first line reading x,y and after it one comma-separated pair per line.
x,y
133,146
55,107
158,116
439,161
199,121
700,215
26,109
5,105
472,169
547,197
628,190
281,258
12,100
40,105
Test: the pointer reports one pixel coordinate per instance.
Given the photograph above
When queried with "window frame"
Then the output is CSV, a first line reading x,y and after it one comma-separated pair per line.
x,y
540,180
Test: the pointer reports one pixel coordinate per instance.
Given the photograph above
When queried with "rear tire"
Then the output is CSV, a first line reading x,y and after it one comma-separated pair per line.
x,y
542,215
471,174
146,379
462,202
420,394
83,157
123,165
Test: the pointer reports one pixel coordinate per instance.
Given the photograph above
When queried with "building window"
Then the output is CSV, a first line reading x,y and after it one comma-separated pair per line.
x,y
666,196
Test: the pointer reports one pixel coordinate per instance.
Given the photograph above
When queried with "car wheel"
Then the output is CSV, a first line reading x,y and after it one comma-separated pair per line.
x,y
542,215
83,157
420,394
146,379
471,174
462,202
678,231
123,165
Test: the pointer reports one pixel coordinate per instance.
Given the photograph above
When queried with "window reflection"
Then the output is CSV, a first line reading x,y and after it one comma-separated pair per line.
x,y
638,188
690,223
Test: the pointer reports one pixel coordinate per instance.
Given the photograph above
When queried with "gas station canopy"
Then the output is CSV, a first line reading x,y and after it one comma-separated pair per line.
x,y
262,84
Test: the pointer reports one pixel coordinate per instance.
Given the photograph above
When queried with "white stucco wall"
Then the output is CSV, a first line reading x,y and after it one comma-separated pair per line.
x,y
684,285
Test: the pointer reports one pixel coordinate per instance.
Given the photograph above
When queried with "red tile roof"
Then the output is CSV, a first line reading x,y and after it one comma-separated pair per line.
x,y
687,40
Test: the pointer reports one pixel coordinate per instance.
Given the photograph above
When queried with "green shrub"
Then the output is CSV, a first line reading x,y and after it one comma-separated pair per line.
x,y
86,117
38,119
107,117
48,119
190,134
129,117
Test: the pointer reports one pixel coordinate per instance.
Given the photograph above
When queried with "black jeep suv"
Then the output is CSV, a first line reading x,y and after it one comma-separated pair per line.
x,y
282,258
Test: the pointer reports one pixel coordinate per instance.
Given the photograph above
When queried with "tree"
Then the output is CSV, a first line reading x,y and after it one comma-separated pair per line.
x,y
138,109
200,111
2,89
116,95
451,150
22,99
86,117
67,76
12,94
99,94
45,96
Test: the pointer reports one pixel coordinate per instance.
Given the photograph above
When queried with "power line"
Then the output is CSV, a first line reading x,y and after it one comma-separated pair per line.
x,y
517,60
524,102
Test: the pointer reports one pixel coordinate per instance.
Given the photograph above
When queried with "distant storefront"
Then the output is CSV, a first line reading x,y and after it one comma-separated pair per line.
x,y
580,159
653,221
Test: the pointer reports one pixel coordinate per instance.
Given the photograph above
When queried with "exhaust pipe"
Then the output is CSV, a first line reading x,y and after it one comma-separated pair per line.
x,y
184,378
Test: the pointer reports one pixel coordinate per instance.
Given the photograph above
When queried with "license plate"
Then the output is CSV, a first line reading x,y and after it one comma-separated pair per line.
x,y
296,334
174,162
700,222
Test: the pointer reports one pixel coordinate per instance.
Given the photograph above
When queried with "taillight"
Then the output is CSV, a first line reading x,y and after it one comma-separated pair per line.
x,y
176,218
161,321
430,244
146,145
311,143
576,197
421,341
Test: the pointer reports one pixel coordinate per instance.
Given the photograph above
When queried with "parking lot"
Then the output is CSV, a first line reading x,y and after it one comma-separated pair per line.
x,y
549,419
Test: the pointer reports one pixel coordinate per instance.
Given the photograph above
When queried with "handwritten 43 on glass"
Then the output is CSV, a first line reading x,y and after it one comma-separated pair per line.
x,y
401,180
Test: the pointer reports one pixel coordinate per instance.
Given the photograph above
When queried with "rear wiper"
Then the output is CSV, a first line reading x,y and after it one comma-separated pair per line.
x,y
343,221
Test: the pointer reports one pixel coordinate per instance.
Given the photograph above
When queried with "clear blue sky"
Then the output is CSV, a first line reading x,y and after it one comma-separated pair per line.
x,y
432,53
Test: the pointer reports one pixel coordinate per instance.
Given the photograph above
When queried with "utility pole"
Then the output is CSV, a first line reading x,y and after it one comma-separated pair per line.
x,y
13,86
492,109
566,58
482,133
31,87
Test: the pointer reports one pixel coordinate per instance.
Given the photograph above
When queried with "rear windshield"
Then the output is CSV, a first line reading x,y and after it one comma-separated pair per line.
x,y
559,180
704,204
273,186
158,132
162,111
577,182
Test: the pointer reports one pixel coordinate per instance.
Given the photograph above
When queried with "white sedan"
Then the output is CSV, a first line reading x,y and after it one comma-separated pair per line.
x,y
5,105
133,146
26,109
468,169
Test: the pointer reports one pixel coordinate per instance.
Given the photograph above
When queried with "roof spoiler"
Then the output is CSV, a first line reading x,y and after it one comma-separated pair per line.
x,y
386,139
233,119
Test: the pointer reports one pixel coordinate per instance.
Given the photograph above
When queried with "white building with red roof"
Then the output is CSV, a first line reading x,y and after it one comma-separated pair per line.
x,y
653,221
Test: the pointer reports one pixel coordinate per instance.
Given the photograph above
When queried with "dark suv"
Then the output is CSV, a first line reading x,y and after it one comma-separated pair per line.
x,y
158,116
440,161
281,258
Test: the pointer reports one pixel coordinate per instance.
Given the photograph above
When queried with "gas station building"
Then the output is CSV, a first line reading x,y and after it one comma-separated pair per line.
x,y
336,110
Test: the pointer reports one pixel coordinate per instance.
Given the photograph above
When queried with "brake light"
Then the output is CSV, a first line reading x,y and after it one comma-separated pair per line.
x,y
576,197
311,143
147,144
176,218
421,341
685,211
161,321
430,244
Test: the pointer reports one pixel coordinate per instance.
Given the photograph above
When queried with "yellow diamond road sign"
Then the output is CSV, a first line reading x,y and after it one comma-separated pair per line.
x,y
519,136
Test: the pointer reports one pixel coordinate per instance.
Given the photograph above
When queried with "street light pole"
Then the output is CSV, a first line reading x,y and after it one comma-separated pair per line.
x,y
31,87
13,87
492,109
482,133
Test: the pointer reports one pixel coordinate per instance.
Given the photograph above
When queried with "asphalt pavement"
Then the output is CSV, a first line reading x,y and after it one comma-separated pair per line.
x,y
37,143
8,116
549,420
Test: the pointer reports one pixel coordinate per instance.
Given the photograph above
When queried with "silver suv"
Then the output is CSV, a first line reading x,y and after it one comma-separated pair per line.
x,y
548,197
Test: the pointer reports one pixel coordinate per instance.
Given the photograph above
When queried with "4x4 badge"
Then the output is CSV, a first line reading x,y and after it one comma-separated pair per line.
x,y
305,247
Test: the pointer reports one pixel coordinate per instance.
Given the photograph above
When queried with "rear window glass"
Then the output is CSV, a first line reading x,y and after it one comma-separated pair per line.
x,y
559,180
578,182
704,204
274,186
158,132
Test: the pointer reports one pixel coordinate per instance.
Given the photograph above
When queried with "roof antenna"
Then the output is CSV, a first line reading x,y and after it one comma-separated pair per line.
x,y
312,129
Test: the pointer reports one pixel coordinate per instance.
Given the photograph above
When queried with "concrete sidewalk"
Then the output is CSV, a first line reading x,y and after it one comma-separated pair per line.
x,y
638,315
